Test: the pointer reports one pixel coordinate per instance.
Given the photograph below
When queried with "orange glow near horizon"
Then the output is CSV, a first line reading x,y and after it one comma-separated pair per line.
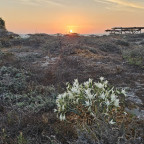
x,y
61,16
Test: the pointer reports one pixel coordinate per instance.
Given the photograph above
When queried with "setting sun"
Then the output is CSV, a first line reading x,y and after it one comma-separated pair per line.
x,y
71,31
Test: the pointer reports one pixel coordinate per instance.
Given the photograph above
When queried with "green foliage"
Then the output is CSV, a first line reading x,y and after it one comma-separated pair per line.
x,y
135,56
12,80
21,139
93,98
35,100
122,43
2,23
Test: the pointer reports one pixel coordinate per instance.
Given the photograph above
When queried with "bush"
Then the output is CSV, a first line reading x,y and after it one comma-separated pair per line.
x,y
98,112
135,56
2,24
109,47
89,99
122,43
35,100
12,80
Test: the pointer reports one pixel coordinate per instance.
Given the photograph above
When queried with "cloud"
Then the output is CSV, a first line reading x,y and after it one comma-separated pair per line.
x,y
40,2
124,3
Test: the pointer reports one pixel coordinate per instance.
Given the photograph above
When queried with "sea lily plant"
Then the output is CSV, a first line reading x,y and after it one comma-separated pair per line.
x,y
92,97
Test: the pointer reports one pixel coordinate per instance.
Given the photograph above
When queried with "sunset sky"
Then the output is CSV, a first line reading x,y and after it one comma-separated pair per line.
x,y
61,16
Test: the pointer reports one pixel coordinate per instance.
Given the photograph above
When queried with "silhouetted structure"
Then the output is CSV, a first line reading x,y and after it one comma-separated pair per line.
x,y
125,30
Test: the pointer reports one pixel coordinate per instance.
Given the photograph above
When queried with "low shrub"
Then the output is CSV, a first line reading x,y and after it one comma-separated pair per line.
x,y
122,43
135,56
12,80
89,99
109,47
98,112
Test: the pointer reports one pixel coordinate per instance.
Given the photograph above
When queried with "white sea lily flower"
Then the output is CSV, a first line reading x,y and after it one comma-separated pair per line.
x,y
87,103
116,103
61,117
70,95
99,85
76,83
102,96
123,92
59,96
112,122
106,82
89,109
77,100
68,86
90,96
63,107
92,114
55,110
74,89
107,103
113,97
64,118
101,78
125,113
64,95
90,80
88,91
86,84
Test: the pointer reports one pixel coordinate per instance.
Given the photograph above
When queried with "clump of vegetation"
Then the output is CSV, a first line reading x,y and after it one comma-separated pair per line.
x,y
16,91
98,111
109,47
40,98
2,24
122,43
12,80
89,98
135,56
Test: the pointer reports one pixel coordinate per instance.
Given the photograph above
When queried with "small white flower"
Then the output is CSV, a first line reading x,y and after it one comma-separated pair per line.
x,y
86,84
70,95
106,82
102,96
59,96
116,102
63,107
90,80
112,122
76,83
87,103
64,95
101,78
77,100
113,97
125,113
123,92
99,85
90,96
61,117
55,110
107,103
92,114
88,91
64,118
74,89
89,109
